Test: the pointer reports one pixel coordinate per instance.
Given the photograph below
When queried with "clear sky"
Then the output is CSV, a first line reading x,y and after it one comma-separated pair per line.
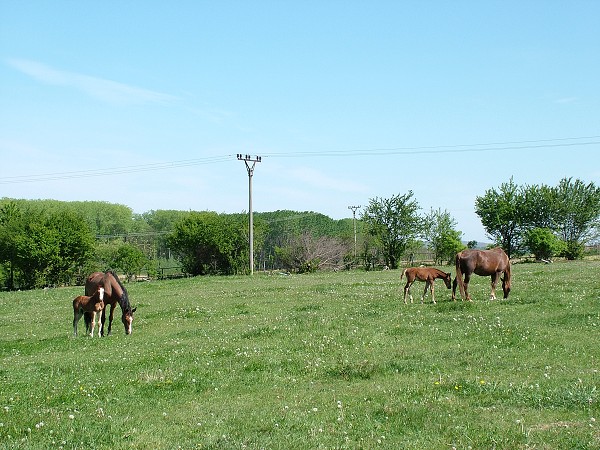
x,y
147,103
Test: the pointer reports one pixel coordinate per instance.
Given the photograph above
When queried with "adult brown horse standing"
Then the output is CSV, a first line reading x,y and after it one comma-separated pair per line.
x,y
114,292
491,263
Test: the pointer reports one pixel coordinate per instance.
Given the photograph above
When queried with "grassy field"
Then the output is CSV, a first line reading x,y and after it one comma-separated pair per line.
x,y
331,360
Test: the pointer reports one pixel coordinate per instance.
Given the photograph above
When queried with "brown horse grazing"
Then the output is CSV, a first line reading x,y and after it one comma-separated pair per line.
x,y
114,292
426,274
485,263
90,304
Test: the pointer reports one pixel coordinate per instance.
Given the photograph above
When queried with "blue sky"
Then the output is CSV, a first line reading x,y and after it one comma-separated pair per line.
x,y
147,103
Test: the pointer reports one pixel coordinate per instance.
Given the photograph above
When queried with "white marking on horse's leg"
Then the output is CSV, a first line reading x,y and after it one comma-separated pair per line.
x,y
93,323
493,290
432,293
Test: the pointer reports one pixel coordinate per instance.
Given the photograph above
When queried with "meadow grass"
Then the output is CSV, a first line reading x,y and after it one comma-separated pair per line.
x,y
327,360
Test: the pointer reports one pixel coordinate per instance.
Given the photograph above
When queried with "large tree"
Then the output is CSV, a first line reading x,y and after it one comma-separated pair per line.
x,y
12,222
441,235
576,214
395,222
501,214
43,248
209,243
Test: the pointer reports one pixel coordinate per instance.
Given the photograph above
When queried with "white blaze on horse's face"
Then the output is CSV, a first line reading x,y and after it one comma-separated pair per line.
x,y
101,291
128,322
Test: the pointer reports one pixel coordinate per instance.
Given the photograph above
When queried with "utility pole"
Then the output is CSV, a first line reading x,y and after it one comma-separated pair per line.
x,y
354,208
250,168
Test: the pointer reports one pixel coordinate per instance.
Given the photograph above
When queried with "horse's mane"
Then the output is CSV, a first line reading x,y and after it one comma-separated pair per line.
x,y
124,300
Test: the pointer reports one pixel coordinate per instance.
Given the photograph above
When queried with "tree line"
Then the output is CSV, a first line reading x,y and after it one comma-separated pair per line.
x,y
48,242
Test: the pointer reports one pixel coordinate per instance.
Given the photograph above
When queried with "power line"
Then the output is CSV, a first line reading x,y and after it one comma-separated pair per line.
x,y
458,148
97,172
437,149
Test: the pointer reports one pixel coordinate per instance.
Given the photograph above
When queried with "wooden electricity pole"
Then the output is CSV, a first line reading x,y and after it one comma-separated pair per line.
x,y
250,163
354,208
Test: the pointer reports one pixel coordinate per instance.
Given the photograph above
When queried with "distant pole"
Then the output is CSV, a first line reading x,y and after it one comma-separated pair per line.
x,y
354,208
250,168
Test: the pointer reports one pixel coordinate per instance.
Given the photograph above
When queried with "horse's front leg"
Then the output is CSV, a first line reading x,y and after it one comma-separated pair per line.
x,y
110,318
102,320
494,278
93,323
454,283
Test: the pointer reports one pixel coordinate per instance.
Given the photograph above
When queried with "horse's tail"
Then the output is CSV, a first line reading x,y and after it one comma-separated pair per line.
x,y
402,274
506,280
459,276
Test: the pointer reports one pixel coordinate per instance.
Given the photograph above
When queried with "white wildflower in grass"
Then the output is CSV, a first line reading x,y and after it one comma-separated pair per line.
x,y
71,416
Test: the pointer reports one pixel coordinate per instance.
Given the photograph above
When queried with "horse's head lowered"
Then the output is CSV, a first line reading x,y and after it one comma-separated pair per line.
x,y
127,319
447,280
127,316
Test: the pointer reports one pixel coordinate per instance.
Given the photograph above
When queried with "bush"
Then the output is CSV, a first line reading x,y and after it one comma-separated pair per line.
x,y
543,243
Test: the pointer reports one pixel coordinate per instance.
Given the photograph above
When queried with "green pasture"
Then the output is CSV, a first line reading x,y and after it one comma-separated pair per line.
x,y
326,360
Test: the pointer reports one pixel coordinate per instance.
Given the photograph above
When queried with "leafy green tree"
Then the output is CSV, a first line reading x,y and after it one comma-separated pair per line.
x,y
543,243
441,235
537,207
163,219
208,243
75,244
12,223
37,251
395,222
130,259
576,214
43,247
501,214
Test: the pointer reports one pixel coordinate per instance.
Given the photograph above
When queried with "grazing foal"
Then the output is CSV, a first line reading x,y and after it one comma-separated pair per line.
x,y
426,274
91,304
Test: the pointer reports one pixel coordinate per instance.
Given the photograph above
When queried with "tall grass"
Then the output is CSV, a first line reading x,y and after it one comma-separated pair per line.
x,y
328,360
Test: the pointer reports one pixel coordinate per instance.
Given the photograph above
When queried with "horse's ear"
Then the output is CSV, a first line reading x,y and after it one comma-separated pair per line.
x,y
133,310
